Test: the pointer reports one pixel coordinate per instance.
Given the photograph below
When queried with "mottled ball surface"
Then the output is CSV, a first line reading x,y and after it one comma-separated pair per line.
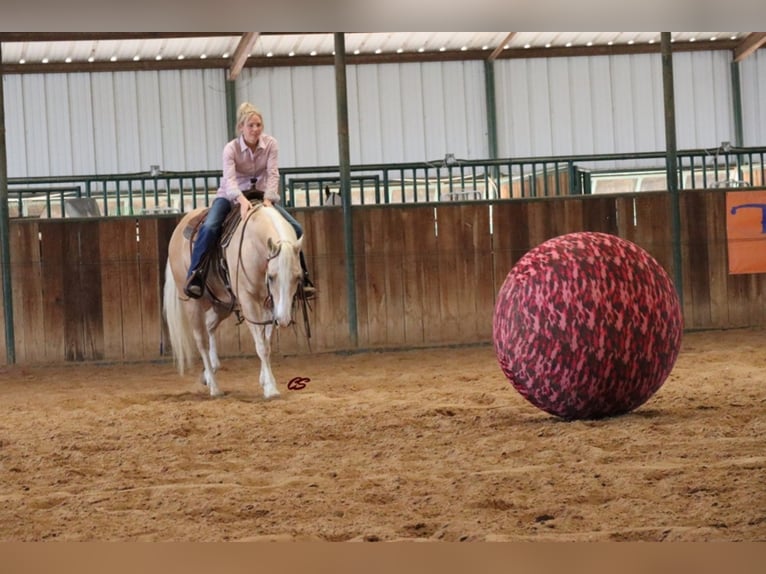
x,y
587,325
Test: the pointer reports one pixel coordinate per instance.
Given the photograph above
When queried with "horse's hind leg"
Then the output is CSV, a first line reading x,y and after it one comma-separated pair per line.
x,y
262,337
202,338
212,320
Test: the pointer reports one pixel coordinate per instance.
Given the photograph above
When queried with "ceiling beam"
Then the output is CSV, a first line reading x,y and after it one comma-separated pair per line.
x,y
242,53
499,50
86,36
750,44
279,61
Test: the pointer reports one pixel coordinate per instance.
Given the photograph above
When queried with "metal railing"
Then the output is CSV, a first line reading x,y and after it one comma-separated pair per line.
x,y
385,184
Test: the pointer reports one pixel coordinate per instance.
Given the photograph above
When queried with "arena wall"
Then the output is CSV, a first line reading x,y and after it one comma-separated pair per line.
x,y
425,275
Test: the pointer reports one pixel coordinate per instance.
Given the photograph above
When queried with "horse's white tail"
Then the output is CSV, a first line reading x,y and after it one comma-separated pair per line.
x,y
181,340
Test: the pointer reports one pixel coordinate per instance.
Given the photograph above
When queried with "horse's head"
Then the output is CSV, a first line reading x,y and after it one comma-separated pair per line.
x,y
283,274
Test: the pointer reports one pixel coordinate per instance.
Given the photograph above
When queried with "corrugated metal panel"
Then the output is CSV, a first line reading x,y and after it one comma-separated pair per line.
x,y
65,124
397,112
610,104
61,124
703,95
753,80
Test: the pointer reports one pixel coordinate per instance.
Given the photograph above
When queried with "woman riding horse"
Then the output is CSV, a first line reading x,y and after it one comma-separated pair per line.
x,y
250,170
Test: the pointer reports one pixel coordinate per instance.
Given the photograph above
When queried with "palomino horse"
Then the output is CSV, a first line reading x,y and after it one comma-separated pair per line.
x,y
264,268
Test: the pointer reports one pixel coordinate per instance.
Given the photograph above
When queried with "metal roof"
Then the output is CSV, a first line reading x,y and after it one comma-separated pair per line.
x,y
73,51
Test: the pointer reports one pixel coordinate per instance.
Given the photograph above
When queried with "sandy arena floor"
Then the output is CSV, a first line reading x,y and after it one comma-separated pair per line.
x,y
424,444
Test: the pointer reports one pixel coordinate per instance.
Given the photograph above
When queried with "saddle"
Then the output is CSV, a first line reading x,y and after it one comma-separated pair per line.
x,y
214,261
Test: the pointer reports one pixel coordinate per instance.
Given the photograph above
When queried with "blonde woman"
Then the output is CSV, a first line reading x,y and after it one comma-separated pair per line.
x,y
250,170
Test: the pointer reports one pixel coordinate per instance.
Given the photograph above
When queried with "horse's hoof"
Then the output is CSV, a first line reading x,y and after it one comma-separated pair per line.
x,y
271,395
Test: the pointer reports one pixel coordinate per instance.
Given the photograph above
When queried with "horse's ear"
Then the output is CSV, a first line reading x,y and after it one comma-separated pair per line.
x,y
273,247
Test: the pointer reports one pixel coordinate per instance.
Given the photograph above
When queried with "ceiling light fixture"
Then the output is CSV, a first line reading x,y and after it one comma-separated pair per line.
x,y
158,57
136,58
91,59
527,46
269,54
313,53
203,56
68,60
45,60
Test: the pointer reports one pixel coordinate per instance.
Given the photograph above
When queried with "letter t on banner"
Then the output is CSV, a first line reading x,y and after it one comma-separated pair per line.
x,y
746,231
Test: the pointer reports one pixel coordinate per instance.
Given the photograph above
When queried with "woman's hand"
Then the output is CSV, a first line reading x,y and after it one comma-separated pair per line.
x,y
244,206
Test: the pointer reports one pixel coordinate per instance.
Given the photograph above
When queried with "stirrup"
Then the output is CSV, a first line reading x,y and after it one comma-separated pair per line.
x,y
308,289
195,285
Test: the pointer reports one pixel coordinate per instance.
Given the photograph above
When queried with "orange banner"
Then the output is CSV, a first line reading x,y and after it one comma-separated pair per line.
x,y
746,231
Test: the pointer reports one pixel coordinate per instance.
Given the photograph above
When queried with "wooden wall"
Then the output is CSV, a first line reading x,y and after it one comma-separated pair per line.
x,y
89,290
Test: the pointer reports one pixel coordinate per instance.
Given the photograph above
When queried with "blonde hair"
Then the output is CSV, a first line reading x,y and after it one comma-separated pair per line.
x,y
246,109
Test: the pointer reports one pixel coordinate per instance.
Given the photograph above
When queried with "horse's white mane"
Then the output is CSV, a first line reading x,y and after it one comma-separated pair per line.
x,y
284,229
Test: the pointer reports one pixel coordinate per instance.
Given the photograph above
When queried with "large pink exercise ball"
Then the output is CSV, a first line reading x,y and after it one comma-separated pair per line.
x,y
587,325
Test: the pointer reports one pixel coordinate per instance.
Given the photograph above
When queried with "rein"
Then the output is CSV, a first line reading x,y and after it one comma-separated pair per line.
x,y
268,303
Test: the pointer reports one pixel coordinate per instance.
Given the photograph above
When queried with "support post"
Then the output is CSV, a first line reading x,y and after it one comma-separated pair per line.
x,y
5,250
671,160
341,99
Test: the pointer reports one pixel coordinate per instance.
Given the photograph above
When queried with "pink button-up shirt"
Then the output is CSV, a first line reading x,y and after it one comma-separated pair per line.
x,y
240,165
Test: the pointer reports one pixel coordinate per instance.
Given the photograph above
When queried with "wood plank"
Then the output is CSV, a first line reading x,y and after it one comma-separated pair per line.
x,y
112,260
448,222
699,265
480,284
90,290
324,229
393,248
52,257
715,212
359,224
417,224
600,214
28,316
375,280
151,289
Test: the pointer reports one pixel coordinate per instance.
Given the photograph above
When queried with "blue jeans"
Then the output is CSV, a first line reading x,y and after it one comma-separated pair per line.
x,y
298,232
290,219
209,231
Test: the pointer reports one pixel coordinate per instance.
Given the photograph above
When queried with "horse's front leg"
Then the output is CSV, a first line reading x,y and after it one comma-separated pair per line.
x,y
262,337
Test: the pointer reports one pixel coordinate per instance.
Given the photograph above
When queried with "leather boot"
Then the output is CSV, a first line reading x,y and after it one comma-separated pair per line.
x,y
195,285
309,291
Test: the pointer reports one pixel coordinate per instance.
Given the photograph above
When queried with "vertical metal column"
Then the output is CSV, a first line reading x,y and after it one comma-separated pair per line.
x,y
5,249
341,99
671,160
489,88
231,106
736,96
